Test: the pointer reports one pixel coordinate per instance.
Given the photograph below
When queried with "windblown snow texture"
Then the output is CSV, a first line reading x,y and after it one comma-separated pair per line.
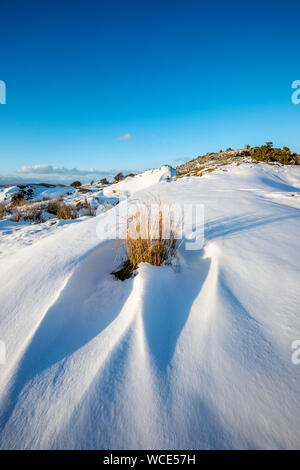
x,y
192,356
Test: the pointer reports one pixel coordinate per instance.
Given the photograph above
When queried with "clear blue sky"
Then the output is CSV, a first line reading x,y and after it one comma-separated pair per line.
x,y
179,78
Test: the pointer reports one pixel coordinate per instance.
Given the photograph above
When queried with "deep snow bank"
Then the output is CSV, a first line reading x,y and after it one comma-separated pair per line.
x,y
141,181
197,355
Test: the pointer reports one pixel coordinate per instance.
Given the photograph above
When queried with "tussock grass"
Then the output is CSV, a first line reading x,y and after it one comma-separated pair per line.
x,y
22,209
66,212
61,210
85,204
52,206
150,238
34,214
91,211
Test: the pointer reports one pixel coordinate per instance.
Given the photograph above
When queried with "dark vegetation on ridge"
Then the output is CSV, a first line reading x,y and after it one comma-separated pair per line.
x,y
211,161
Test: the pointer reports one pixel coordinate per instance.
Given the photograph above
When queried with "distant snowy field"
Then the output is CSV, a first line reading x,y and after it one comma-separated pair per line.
x,y
192,356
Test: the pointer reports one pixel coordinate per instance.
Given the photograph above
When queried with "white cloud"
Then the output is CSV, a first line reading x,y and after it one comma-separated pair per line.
x,y
50,170
124,137
51,174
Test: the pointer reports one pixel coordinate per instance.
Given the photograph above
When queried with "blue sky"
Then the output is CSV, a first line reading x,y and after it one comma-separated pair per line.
x,y
176,78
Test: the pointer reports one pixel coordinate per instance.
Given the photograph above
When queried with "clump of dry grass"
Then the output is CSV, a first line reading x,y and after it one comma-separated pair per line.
x,y
52,206
21,209
91,211
150,238
66,212
33,213
61,209
85,204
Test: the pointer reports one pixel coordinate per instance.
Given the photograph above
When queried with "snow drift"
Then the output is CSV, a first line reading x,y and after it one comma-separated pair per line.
x,y
132,184
195,355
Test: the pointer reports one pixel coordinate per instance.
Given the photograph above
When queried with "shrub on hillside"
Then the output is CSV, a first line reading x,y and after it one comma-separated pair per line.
x,y
119,177
61,210
34,214
104,181
52,206
26,190
66,212
76,184
83,190
268,154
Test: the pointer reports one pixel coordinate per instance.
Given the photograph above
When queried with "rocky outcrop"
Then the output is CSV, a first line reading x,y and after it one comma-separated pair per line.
x,y
210,160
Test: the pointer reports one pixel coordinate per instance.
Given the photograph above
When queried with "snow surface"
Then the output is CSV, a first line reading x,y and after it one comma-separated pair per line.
x,y
141,181
195,355
39,192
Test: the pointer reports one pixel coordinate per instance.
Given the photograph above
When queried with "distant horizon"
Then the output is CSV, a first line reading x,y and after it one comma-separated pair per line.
x,y
86,179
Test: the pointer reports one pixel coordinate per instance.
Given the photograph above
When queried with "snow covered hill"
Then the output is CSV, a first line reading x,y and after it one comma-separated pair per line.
x,y
130,185
195,355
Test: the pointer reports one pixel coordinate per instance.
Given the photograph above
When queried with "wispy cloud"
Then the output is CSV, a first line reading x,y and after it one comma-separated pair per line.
x,y
124,137
51,170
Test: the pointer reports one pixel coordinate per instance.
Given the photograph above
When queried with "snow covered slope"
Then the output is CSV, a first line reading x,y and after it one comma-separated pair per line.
x,y
192,356
141,181
38,192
